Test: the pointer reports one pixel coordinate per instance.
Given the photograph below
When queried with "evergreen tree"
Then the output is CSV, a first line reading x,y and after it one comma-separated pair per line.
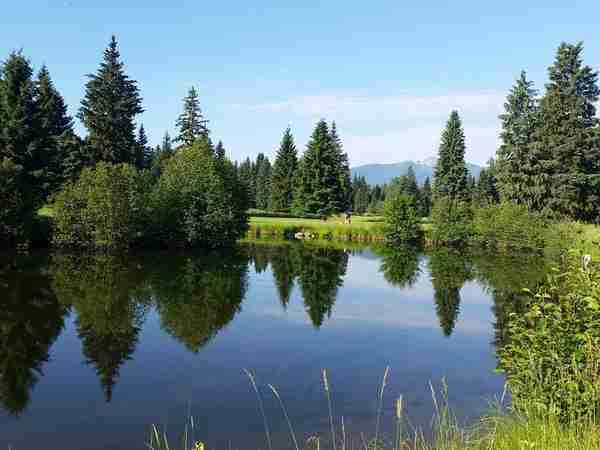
x,y
143,151
425,198
263,182
567,137
521,178
54,134
246,177
108,110
318,186
220,151
486,190
161,155
284,168
74,155
191,123
166,146
342,167
450,171
360,195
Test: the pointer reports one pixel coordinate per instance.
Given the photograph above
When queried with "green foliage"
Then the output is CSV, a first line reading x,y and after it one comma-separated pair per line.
x,y
284,168
108,110
198,201
263,182
103,209
401,218
450,170
508,225
425,198
551,359
451,221
17,211
399,265
191,123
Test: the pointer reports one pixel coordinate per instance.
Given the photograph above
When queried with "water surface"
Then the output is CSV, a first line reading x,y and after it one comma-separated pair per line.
x,y
95,348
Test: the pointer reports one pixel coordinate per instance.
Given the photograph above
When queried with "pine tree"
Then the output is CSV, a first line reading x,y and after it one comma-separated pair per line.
x,y
191,122
450,171
108,110
567,138
318,184
263,182
166,146
342,167
54,134
75,156
143,152
520,175
284,168
246,177
425,197
220,151
18,113
360,195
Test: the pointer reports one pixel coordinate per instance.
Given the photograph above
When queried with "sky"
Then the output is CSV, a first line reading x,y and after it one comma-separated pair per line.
x,y
389,72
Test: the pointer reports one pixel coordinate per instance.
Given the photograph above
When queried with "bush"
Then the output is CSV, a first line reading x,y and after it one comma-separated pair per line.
x,y
401,218
102,209
508,225
551,359
199,200
451,221
17,208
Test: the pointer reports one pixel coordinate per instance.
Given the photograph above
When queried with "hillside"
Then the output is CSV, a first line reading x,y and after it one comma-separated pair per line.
x,y
383,173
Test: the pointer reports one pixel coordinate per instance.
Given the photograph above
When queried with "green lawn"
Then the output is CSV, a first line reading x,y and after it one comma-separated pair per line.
x,y
363,221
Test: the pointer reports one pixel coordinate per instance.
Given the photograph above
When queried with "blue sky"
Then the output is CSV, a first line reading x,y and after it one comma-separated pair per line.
x,y
388,72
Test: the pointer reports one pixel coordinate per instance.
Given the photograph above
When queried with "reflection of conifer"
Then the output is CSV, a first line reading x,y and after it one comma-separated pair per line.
x,y
449,272
320,274
30,321
283,273
105,291
198,296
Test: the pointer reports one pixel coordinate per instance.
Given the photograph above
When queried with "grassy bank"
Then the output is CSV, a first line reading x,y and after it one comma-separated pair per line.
x,y
366,228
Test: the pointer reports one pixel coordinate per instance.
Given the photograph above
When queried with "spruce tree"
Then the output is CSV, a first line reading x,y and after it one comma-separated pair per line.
x,y
220,151
567,137
284,168
263,182
318,184
246,177
108,110
450,171
191,123
426,198
143,153
520,175
342,167
54,134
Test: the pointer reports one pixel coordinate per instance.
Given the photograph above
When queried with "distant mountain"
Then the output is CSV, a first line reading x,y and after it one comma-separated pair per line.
x,y
383,173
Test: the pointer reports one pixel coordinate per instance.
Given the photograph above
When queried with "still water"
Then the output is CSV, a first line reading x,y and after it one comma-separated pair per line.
x,y
95,349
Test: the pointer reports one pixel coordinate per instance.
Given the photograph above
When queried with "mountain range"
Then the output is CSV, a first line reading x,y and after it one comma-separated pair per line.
x,y
384,173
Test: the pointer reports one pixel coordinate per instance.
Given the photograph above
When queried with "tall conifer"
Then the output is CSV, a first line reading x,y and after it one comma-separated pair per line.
x,y
284,168
450,171
191,123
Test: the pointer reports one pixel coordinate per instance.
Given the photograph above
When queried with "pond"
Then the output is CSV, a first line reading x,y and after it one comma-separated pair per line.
x,y
96,348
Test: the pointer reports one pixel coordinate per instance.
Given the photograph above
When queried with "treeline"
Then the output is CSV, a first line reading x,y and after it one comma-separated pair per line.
x,y
109,189
318,182
546,169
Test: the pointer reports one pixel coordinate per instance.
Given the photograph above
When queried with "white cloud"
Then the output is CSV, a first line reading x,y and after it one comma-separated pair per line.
x,y
388,129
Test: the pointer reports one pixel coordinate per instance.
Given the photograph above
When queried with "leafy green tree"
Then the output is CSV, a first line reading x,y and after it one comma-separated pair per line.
x,y
284,169
17,211
521,178
197,203
452,221
567,136
401,218
450,171
191,123
108,110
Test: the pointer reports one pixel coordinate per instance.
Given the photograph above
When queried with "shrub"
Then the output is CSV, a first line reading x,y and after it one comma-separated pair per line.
x,y
451,221
199,200
102,209
17,208
551,358
509,225
401,218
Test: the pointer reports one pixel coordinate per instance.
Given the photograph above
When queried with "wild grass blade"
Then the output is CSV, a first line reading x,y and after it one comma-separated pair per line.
x,y
287,418
261,407
328,394
380,406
